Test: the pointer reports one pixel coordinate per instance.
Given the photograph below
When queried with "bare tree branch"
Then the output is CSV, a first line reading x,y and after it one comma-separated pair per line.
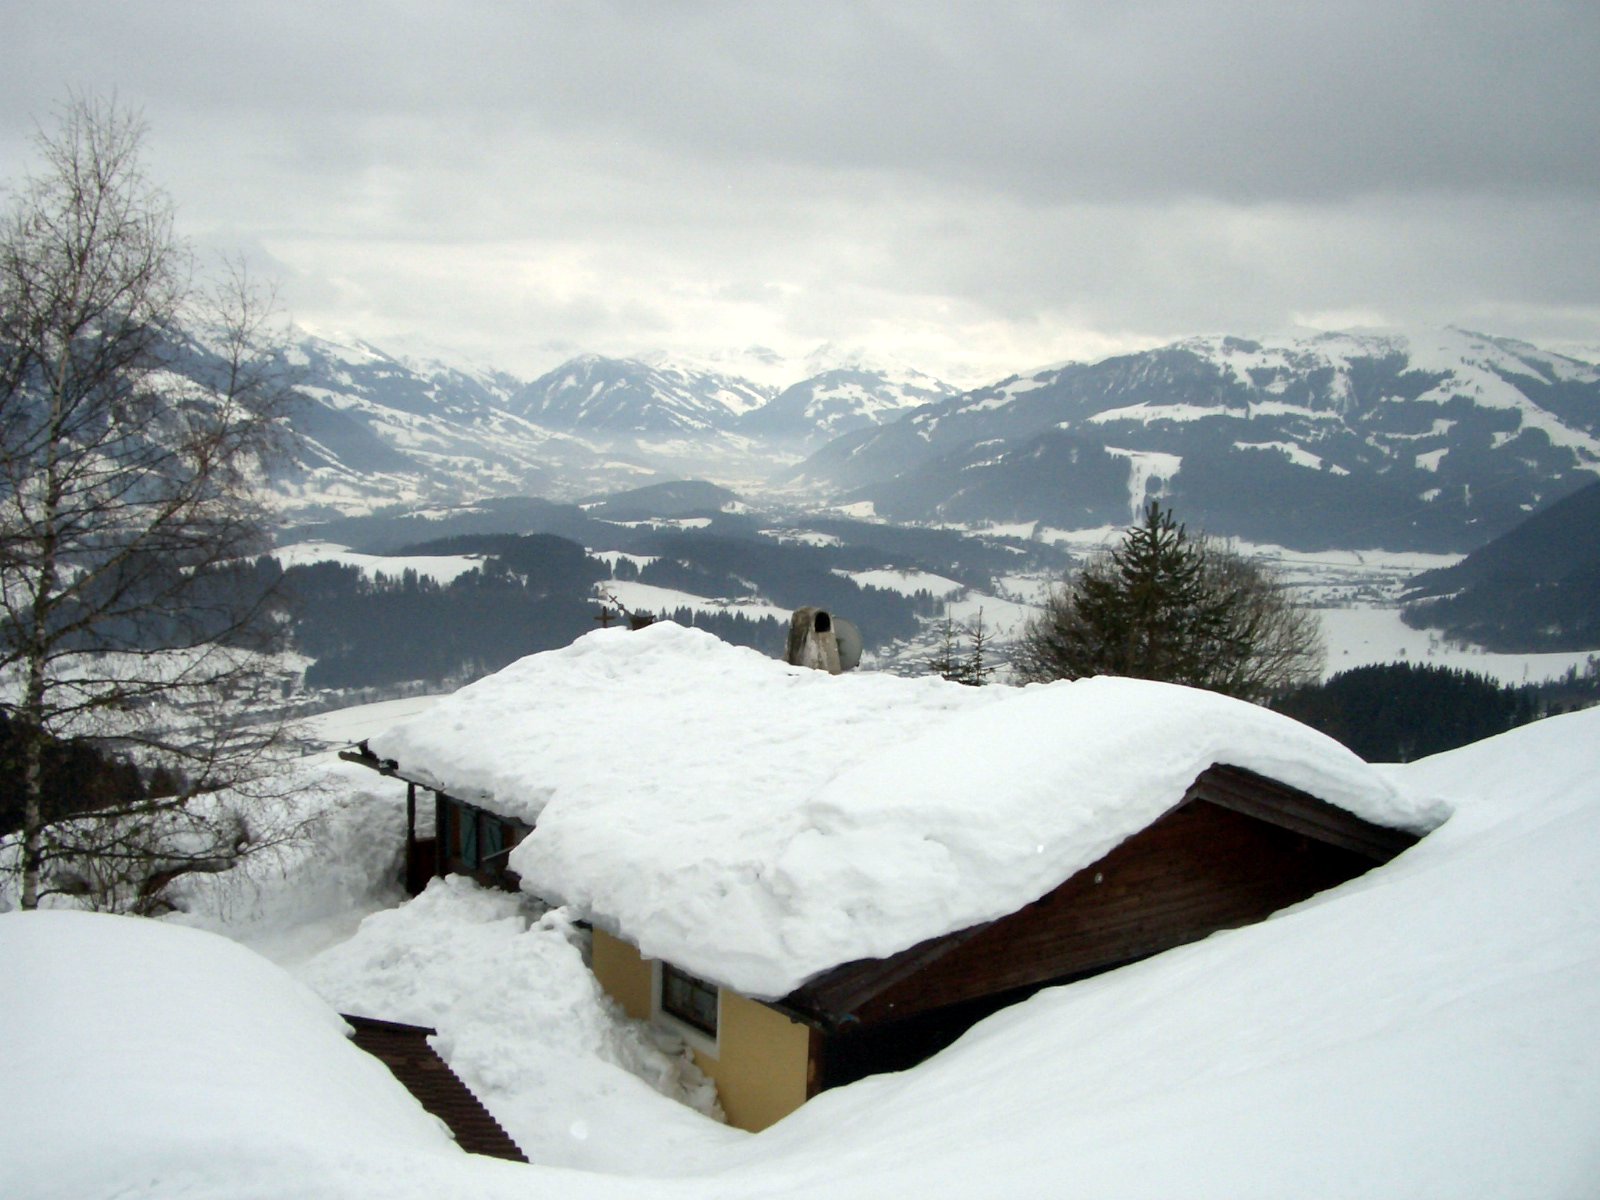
x,y
129,614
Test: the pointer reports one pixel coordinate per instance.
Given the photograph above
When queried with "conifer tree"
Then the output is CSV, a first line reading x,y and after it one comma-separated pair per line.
x,y
1166,605
972,668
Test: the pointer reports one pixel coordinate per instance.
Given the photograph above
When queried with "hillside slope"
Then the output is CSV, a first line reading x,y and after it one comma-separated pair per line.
x,y
1371,440
1535,588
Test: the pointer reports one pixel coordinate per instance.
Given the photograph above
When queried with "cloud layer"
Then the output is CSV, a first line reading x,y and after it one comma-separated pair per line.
x,y
974,187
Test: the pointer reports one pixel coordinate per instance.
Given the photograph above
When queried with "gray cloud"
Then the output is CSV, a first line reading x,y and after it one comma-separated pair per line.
x,y
984,185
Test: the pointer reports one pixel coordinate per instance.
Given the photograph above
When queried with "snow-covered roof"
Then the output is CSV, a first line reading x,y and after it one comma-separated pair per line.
x,y
758,824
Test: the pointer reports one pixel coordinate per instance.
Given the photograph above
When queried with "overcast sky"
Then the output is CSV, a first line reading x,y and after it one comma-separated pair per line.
x,y
971,188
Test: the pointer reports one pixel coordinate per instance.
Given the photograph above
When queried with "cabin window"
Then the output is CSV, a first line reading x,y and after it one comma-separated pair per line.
x,y
478,843
491,841
689,998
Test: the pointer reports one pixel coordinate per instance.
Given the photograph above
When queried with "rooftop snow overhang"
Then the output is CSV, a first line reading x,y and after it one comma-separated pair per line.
x,y
835,999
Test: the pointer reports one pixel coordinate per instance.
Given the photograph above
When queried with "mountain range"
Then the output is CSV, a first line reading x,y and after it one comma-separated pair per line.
x,y
1349,440
1433,442
378,429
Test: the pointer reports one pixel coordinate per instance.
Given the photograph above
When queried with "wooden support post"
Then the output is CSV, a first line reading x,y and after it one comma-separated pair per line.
x,y
412,882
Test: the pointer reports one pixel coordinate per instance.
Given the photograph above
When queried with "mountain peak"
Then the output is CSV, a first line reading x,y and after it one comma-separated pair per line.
x,y
630,395
1430,440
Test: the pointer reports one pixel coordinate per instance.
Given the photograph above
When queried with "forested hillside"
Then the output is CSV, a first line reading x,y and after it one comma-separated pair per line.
x,y
531,592
1536,588
1398,712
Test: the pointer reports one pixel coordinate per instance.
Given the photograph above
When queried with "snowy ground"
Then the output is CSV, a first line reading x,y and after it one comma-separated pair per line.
x,y
442,568
1425,1031
523,1022
1362,635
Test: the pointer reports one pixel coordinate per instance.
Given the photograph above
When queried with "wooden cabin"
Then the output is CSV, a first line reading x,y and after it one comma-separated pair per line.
x,y
836,875
1236,849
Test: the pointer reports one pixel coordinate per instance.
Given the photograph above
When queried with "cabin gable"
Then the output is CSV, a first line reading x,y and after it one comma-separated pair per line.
x,y
1236,849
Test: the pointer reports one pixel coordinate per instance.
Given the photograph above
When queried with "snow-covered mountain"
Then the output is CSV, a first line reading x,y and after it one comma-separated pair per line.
x,y
375,430
1437,442
628,396
842,400
378,429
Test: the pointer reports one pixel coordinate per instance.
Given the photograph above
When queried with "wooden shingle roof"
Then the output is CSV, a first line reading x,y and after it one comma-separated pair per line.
x,y
405,1051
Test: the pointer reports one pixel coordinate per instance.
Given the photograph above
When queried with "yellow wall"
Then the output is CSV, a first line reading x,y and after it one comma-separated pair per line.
x,y
761,1062
626,977
761,1056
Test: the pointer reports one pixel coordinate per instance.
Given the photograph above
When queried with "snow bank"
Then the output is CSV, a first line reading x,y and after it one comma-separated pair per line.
x,y
524,1023
758,824
1426,1030
138,1054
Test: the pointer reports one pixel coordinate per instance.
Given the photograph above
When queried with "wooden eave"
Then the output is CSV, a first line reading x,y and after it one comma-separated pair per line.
x,y
363,756
836,999
404,1049
1289,808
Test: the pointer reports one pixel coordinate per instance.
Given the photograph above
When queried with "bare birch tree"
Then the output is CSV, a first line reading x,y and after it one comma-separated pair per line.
x,y
128,502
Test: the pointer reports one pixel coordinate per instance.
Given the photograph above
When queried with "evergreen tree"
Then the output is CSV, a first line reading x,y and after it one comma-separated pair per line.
x,y
971,668
1165,605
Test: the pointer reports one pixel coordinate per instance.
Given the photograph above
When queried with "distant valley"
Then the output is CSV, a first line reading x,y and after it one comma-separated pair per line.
x,y
1432,443
903,501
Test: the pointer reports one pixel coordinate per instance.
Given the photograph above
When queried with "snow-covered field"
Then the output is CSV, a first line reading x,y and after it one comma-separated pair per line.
x,y
647,597
1361,635
1425,1031
441,568
907,583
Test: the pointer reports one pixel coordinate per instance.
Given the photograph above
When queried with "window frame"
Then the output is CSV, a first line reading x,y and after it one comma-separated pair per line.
x,y
707,1041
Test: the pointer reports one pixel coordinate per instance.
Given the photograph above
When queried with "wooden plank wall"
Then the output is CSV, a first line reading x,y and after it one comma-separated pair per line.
x,y
1198,869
